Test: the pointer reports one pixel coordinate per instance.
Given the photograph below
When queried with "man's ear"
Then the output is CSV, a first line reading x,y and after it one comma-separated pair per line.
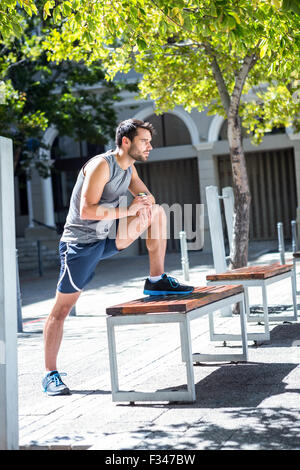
x,y
125,141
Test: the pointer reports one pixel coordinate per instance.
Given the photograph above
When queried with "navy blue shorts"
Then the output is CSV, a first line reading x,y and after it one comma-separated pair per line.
x,y
78,263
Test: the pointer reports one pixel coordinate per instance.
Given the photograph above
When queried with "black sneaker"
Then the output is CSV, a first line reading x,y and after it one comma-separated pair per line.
x,y
167,285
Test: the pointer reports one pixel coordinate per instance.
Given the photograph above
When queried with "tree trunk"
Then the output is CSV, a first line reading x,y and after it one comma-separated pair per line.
x,y
242,198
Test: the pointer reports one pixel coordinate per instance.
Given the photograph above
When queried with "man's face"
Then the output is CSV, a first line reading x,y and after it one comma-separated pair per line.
x,y
140,146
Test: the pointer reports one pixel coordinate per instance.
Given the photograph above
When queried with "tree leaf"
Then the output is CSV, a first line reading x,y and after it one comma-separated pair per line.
x,y
141,44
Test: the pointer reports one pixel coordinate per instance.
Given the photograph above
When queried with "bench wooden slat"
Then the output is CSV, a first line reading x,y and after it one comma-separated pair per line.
x,y
251,272
175,303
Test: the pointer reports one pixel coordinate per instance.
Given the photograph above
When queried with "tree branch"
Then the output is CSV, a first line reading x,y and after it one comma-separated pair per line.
x,y
15,64
248,63
224,95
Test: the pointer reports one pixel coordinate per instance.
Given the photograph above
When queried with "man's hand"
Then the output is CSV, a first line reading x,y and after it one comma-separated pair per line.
x,y
141,205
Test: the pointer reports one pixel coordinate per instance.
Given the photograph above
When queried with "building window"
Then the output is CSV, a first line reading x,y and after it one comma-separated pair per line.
x,y
170,130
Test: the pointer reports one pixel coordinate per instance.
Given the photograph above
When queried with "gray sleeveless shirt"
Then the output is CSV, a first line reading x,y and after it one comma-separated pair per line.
x,y
77,230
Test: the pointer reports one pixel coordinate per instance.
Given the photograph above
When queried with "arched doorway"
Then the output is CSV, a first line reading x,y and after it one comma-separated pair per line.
x,y
170,130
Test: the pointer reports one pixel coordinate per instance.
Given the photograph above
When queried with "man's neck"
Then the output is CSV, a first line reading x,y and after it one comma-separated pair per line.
x,y
123,159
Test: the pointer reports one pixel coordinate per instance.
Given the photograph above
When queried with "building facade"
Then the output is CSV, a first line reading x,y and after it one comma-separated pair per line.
x,y
190,153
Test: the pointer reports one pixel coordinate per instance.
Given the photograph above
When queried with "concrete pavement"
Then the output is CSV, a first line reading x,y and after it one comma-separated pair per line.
x,y
239,406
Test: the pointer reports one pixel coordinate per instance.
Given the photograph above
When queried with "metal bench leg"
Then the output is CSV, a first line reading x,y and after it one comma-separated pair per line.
x,y
186,351
267,317
211,325
294,293
265,308
247,304
236,337
243,320
112,357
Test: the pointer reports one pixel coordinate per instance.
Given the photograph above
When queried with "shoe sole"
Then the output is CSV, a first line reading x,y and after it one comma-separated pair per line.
x,y
56,394
166,292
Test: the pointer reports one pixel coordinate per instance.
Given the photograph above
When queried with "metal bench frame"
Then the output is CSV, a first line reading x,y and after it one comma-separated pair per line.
x,y
265,317
184,320
220,262
295,260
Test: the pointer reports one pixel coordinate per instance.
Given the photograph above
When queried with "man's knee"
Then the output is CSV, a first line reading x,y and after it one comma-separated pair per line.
x,y
61,312
158,212
157,229
63,305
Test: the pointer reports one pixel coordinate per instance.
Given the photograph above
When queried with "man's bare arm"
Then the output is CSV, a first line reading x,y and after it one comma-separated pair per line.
x,y
138,186
96,177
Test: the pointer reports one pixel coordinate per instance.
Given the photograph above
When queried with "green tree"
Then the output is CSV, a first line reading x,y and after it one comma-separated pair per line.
x,y
11,16
198,54
36,93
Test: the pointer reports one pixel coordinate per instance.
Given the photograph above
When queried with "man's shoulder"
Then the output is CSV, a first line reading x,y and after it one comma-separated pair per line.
x,y
100,161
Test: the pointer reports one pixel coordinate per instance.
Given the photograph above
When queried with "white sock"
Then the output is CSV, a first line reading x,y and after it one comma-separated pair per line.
x,y
155,278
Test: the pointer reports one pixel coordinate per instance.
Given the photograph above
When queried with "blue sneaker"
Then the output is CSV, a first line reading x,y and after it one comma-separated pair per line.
x,y
53,385
167,285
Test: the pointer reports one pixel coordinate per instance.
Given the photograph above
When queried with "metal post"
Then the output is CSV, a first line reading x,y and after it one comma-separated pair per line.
x,y
216,235
40,257
19,298
294,236
228,201
184,255
9,439
294,250
29,202
281,247
216,229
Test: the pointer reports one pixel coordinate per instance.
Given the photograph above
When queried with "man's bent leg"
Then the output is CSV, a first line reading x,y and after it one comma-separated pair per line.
x,y
53,330
156,242
132,227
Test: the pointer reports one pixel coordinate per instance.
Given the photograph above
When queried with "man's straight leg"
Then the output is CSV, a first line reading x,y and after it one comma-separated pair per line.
x,y
53,330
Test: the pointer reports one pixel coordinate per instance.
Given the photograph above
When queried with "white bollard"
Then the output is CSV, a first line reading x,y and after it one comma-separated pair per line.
x,y
216,235
9,431
281,247
228,201
184,256
294,236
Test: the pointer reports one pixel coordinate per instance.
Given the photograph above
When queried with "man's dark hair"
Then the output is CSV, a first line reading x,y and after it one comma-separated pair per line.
x,y
129,129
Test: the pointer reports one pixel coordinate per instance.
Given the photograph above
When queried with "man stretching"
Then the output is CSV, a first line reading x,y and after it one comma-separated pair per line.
x,y
94,206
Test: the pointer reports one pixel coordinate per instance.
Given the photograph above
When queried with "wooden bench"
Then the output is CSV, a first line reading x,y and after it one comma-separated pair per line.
x,y
174,309
257,276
